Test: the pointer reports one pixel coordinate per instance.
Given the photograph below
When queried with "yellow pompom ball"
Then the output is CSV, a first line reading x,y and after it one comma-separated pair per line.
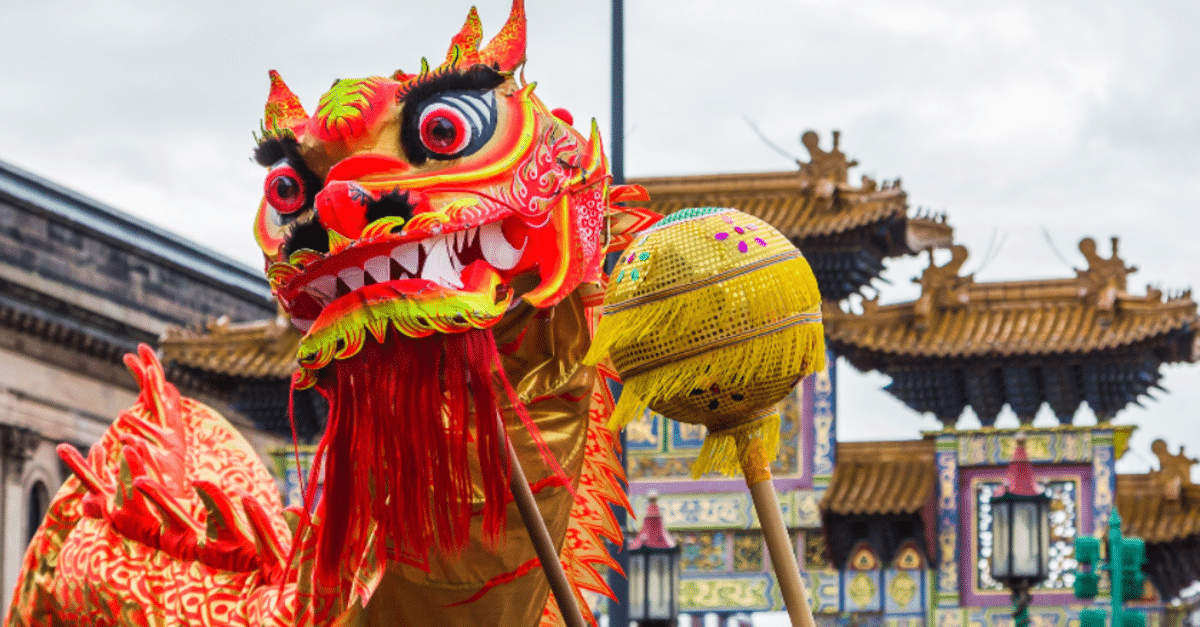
x,y
710,318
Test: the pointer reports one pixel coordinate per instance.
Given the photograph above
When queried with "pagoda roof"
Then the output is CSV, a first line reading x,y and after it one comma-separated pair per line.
x,y
881,493
834,222
1020,343
798,206
881,478
1162,508
261,349
958,317
1157,512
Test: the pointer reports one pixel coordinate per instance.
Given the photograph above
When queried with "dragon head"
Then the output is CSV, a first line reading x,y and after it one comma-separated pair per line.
x,y
428,202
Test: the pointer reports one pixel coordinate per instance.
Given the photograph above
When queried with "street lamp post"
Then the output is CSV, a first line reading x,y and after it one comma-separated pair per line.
x,y
1020,533
653,572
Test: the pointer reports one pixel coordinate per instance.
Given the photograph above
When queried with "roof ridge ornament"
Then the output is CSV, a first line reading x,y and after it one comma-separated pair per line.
x,y
942,286
1174,471
1104,280
826,166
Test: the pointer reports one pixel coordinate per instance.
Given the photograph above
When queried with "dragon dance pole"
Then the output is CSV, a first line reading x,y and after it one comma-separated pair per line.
x,y
542,543
757,471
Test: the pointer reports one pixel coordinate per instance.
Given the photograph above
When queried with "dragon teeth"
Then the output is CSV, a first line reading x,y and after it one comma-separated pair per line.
x,y
438,259
352,278
379,268
462,241
323,288
496,249
408,258
438,267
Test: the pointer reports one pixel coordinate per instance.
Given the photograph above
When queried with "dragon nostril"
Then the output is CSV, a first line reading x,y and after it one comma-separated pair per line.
x,y
392,204
308,236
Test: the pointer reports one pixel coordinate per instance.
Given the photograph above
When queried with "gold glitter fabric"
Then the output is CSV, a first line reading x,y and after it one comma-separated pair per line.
x,y
710,317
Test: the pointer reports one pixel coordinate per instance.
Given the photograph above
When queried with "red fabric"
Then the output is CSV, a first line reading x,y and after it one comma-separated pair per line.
x,y
402,414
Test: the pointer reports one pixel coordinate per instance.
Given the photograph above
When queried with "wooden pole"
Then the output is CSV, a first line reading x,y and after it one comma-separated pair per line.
x,y
757,471
543,544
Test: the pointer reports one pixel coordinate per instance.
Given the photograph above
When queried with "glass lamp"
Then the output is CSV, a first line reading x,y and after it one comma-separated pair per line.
x,y
1020,533
653,572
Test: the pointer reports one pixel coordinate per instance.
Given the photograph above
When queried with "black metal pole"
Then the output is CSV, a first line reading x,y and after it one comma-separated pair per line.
x,y
618,91
618,611
1021,600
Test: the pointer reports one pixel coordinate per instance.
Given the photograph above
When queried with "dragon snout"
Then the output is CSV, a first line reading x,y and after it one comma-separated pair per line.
x,y
342,207
347,208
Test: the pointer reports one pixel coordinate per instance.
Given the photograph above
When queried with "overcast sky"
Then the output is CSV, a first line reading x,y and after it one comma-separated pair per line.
x,y
1080,118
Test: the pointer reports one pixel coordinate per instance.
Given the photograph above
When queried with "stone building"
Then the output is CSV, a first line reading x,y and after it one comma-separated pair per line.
x,y
81,284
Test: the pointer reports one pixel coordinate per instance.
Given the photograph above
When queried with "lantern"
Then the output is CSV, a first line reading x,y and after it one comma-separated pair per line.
x,y
653,572
1020,533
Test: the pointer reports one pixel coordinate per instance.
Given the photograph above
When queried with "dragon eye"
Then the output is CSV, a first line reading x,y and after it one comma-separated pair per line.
x,y
444,129
454,124
284,189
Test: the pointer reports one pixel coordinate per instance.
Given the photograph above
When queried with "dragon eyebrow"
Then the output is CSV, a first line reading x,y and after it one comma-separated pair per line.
x,y
272,150
478,76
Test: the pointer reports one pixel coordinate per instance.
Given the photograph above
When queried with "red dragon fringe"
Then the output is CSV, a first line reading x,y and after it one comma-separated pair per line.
x,y
402,415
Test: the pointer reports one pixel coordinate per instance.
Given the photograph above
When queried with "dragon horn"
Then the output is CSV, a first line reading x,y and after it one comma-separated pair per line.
x,y
466,42
507,48
283,110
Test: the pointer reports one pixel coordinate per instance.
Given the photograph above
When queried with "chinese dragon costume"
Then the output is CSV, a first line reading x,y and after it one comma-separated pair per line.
x,y
438,238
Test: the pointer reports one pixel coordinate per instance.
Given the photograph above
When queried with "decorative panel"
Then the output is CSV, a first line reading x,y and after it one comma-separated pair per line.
x,y
715,594
664,450
645,433
685,436
862,590
824,588
947,517
909,557
822,388
284,468
862,558
722,510
815,552
704,551
1104,477
949,617
799,509
747,551
903,621
1060,445
789,463
904,591
805,509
